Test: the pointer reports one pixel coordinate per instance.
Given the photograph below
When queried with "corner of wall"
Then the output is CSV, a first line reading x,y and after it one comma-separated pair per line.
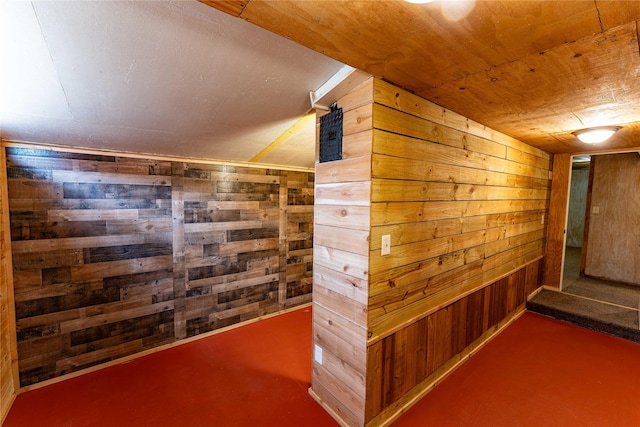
x,y
462,206
8,349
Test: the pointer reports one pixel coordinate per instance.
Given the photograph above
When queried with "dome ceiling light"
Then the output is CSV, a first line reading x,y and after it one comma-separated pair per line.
x,y
597,134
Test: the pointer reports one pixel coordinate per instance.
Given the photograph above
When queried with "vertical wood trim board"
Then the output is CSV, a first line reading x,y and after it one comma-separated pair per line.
x,y
587,217
297,232
177,218
8,350
465,209
117,255
557,220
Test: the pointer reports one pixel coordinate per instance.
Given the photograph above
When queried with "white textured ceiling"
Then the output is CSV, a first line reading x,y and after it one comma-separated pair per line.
x,y
170,78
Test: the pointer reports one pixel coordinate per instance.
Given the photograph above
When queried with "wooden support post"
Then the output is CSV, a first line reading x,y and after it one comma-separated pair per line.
x,y
557,220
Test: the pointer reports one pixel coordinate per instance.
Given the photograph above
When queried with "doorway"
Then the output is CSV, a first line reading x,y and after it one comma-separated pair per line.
x,y
599,230
576,219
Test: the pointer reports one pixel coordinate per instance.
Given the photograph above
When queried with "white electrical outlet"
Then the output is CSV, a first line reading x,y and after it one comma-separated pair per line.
x,y
317,354
386,245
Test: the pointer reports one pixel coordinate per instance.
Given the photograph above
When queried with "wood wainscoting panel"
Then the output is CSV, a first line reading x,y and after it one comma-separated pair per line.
x,y
400,363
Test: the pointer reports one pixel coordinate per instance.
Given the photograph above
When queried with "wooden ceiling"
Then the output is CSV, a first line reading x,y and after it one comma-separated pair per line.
x,y
535,70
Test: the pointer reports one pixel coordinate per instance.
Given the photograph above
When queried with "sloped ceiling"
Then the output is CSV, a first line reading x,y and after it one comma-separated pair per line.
x,y
535,70
169,78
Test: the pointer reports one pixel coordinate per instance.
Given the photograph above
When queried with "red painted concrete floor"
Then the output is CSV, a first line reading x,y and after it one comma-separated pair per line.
x,y
538,372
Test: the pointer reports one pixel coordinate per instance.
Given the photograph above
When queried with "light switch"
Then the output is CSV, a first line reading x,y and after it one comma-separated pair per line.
x,y
386,245
596,209
317,354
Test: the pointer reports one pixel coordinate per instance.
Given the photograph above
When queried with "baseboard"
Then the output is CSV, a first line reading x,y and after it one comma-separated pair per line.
x,y
328,408
5,411
537,291
394,411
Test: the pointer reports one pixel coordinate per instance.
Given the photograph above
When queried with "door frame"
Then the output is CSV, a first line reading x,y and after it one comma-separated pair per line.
x,y
559,213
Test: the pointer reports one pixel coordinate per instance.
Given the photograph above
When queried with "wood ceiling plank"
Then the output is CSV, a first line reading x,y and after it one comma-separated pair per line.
x,y
615,12
626,138
416,46
564,142
534,70
501,32
575,85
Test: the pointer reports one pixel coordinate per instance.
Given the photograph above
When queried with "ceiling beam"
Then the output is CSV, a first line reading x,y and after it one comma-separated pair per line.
x,y
295,128
234,8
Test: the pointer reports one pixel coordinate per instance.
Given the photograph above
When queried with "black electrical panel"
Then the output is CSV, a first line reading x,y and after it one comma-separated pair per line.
x,y
331,135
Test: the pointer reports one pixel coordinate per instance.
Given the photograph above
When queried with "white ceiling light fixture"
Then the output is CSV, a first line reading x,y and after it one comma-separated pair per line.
x,y
597,134
418,1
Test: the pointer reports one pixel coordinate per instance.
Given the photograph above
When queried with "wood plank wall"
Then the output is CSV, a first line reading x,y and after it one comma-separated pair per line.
x,y
341,266
8,351
465,208
462,209
614,237
114,255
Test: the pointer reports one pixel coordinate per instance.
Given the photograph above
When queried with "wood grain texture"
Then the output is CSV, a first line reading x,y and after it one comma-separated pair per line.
x,y
406,358
613,252
233,7
534,70
557,220
460,205
8,351
463,206
341,263
114,256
